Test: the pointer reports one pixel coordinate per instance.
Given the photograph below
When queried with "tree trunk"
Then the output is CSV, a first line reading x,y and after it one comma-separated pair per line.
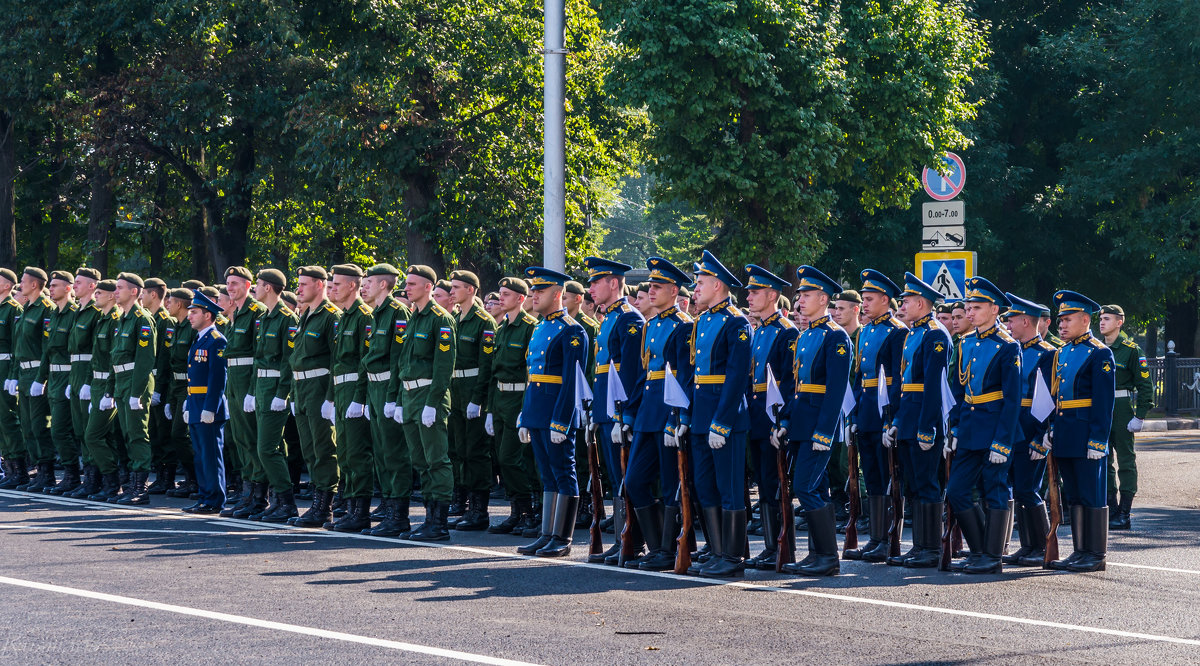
x,y
201,263
417,198
101,213
157,246
8,178
229,233
1182,320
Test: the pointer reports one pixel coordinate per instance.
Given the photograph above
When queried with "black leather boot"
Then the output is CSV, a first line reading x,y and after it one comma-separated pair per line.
x,y
1022,536
257,503
672,524
765,560
281,509
733,537
1076,540
318,513
876,549
710,516
339,507
1039,529
110,485
565,509
18,474
583,518
507,525
395,520
90,484
547,530
235,488
999,531
187,486
898,561
458,502
613,554
244,499
1095,540
358,518
476,517
70,480
823,533
927,535
652,520
164,480
531,524
1121,520
972,524
42,480
135,494
435,527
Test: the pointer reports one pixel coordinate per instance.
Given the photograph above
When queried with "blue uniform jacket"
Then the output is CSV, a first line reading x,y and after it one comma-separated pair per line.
x,y
771,345
987,390
821,369
557,345
721,362
206,377
667,340
926,353
1084,389
1035,353
880,342
619,342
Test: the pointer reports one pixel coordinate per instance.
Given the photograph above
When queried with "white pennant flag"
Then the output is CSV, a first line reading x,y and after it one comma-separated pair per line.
x,y
774,397
583,389
1043,402
616,392
948,400
881,392
673,394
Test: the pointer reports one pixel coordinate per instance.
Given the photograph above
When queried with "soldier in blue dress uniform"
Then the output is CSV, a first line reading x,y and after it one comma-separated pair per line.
x,y
618,347
652,458
984,429
880,344
917,427
718,420
1029,454
821,369
771,347
1084,388
205,410
548,416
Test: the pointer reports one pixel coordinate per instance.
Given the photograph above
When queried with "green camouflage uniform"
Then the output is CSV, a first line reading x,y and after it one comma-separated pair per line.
x,y
426,367
55,374
311,359
1135,397
350,386
133,360
239,357
505,399
273,379
99,438
393,465
79,347
470,452
31,334
175,394
10,437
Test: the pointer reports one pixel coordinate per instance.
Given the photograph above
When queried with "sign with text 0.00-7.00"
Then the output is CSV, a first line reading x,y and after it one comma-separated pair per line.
x,y
942,226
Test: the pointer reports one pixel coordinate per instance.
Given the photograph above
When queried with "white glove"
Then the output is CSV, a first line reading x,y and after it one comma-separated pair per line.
x,y
155,399
926,446
389,410
248,404
853,429
950,446
167,411
185,416
997,458
1135,425
293,409
523,435
68,392
89,407
207,416
278,404
889,437
85,392
367,412
1093,454
37,389
135,403
428,416
819,447
398,416
715,441
1034,455
670,440
327,411
107,403
473,410
778,437
1047,441
557,437
10,386
620,433
682,431
356,410
489,426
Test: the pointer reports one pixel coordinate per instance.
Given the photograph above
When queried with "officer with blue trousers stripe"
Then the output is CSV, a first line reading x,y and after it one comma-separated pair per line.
x,y
772,346
823,358
917,426
548,416
205,411
1029,454
718,420
880,344
984,427
618,347
1084,388
652,458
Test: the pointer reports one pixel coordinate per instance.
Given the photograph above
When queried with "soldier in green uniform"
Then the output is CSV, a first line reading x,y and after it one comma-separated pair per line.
x,y
34,409
98,437
311,360
573,298
393,466
1047,334
505,398
134,361
54,376
423,404
12,447
471,454
174,392
239,357
348,394
1134,398
79,350
153,295
271,390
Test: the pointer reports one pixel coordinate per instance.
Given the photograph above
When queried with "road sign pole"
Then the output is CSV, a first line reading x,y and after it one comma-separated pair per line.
x,y
554,228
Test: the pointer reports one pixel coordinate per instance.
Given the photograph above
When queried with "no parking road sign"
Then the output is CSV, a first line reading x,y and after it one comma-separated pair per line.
x,y
945,188
947,272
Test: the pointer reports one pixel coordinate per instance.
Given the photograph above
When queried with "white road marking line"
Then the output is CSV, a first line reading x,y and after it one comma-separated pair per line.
x,y
764,588
267,624
138,530
1146,566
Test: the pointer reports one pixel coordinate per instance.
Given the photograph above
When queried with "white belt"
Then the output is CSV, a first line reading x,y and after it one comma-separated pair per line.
x,y
470,372
379,376
55,367
80,358
234,362
124,367
100,375
1123,393
309,374
5,357
348,377
179,376
30,365
505,386
413,384
267,373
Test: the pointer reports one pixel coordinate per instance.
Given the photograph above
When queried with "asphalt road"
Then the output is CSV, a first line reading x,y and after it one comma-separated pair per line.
x,y
81,581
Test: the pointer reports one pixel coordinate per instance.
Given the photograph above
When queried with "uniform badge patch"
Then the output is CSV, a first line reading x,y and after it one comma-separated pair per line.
x,y
1107,367
444,332
841,349
939,347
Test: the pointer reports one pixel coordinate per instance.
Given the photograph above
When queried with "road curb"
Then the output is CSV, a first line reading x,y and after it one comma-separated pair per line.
x,y
1163,425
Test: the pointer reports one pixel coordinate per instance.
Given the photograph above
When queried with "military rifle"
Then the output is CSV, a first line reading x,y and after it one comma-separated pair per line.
x,y
1052,498
683,547
851,541
597,492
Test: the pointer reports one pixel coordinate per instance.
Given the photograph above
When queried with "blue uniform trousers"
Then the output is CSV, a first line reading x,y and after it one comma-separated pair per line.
x,y
644,470
765,459
1026,476
920,469
1085,481
610,455
208,447
810,484
556,462
971,469
873,459
720,474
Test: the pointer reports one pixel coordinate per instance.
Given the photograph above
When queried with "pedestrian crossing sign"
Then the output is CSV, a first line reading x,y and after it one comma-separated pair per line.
x,y
947,272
